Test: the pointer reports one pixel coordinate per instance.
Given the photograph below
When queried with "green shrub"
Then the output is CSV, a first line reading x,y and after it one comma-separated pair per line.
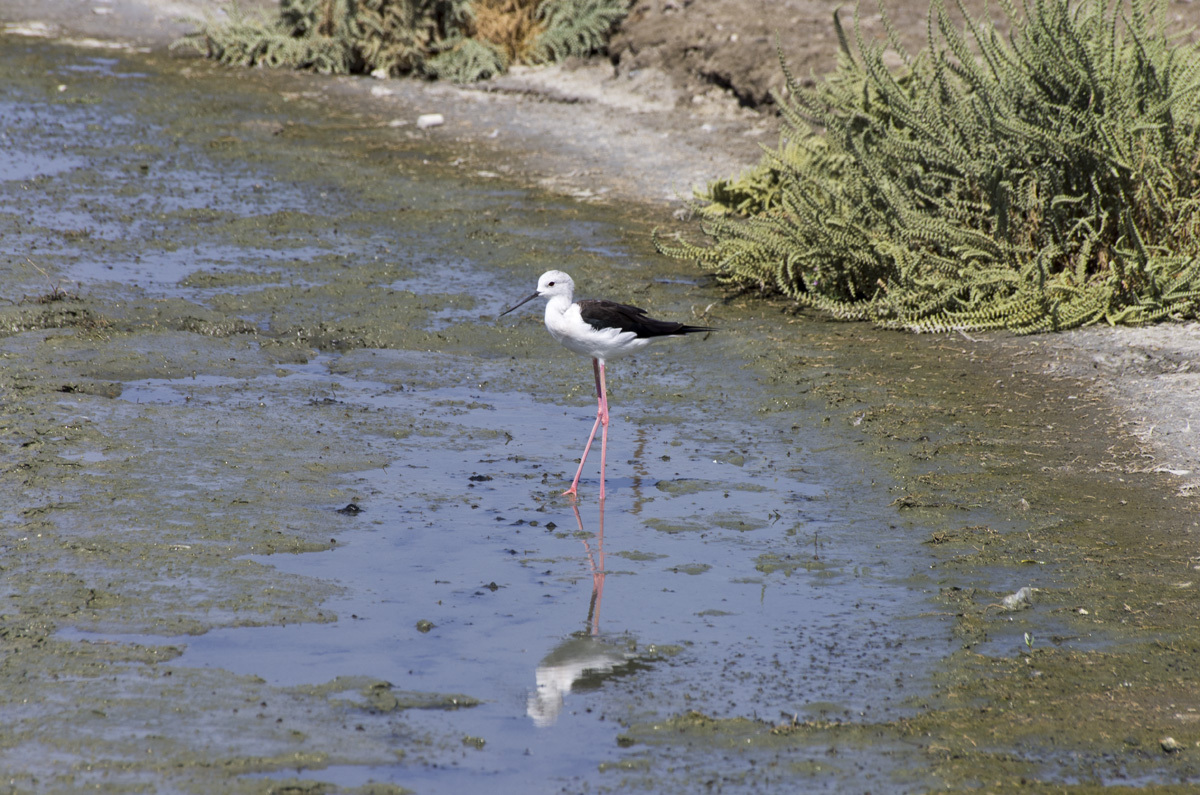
x,y
459,40
574,27
1036,181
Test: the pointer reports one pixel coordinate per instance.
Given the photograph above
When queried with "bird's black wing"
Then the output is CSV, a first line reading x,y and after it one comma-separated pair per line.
x,y
601,314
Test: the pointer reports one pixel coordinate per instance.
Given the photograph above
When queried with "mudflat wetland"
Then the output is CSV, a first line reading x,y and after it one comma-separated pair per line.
x,y
281,491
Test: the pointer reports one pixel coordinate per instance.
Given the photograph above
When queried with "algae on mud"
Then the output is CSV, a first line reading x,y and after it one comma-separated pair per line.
x,y
135,482
166,422
1107,670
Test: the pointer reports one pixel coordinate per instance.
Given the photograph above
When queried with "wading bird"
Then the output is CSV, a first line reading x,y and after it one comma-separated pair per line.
x,y
602,330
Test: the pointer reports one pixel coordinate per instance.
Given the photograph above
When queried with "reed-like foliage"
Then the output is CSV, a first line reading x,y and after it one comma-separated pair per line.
x,y
1035,181
459,40
574,28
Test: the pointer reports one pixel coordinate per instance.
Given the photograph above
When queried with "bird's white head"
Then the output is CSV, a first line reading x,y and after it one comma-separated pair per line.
x,y
552,284
555,283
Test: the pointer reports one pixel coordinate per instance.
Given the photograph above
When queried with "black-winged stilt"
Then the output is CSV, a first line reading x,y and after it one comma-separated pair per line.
x,y
602,330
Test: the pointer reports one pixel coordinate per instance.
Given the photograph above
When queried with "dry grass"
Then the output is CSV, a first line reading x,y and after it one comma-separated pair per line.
x,y
511,25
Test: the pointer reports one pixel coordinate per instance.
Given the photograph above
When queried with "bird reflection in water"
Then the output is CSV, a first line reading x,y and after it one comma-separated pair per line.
x,y
586,658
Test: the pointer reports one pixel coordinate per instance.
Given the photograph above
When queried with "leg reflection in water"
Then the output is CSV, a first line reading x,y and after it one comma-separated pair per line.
x,y
586,658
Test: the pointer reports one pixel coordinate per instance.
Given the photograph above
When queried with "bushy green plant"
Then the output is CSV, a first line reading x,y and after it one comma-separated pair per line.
x,y
465,60
459,40
246,40
1037,181
574,27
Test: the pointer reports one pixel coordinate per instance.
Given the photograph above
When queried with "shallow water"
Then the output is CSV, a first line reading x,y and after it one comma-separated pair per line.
x,y
297,312
728,588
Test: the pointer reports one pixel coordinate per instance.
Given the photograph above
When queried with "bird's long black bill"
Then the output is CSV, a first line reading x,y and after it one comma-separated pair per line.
x,y
522,303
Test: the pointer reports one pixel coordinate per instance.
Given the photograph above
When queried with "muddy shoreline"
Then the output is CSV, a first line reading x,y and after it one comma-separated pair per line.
x,y
1038,462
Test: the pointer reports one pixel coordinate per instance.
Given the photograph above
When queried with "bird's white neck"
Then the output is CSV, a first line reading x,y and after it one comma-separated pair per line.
x,y
557,306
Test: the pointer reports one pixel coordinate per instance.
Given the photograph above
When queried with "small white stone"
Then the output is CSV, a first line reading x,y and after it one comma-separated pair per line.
x,y
426,120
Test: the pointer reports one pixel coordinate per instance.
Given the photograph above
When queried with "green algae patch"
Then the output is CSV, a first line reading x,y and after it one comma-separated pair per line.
x,y
672,526
308,786
738,523
638,555
226,279
385,699
72,314
378,696
696,728
996,718
773,562
683,487
625,766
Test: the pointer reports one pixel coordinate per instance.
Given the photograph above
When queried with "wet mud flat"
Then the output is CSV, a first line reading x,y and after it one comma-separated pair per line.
x,y
235,311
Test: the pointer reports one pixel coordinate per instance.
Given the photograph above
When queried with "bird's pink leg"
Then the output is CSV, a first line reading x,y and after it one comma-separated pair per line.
x,y
601,416
575,483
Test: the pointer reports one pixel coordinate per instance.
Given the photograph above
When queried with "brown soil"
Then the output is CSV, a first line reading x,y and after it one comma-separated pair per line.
x,y
731,44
